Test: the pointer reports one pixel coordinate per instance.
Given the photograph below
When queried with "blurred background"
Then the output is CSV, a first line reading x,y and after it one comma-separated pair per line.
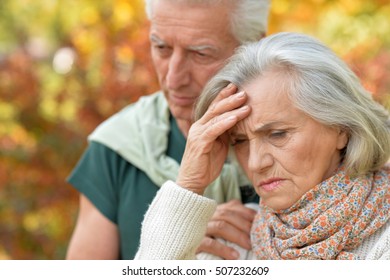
x,y
66,65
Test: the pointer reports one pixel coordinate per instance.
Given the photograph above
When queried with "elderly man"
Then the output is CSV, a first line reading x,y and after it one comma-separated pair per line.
x,y
131,154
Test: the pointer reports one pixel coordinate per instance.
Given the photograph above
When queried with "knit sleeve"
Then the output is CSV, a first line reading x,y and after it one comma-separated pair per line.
x,y
174,224
381,250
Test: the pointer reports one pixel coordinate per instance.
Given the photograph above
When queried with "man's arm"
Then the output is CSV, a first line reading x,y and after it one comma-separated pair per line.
x,y
94,237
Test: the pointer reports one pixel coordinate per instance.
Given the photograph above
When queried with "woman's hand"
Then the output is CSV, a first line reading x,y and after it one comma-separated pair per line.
x,y
208,141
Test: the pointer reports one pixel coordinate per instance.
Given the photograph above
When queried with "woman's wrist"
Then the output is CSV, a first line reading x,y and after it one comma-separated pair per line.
x,y
190,186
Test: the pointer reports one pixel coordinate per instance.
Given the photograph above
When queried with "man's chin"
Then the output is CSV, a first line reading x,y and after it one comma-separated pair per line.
x,y
181,112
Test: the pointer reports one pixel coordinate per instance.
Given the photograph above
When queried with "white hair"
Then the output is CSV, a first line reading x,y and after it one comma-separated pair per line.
x,y
319,84
248,21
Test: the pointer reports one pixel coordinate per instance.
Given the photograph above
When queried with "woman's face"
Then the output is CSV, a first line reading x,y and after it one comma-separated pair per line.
x,y
284,152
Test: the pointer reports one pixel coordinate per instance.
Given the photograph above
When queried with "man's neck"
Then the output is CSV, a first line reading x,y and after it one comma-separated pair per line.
x,y
184,126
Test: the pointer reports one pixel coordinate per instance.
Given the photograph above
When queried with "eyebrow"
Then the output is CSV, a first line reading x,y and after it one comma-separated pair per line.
x,y
155,39
201,48
260,129
268,126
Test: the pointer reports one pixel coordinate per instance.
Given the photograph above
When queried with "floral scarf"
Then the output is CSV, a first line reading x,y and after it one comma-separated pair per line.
x,y
327,222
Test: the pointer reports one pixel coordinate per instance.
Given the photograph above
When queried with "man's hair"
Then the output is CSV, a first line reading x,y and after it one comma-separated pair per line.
x,y
249,18
319,84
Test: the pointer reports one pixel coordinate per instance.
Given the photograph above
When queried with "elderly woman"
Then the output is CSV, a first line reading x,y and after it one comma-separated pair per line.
x,y
312,141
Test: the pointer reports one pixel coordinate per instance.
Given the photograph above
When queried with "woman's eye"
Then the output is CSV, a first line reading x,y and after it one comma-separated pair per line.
x,y
236,142
278,134
278,137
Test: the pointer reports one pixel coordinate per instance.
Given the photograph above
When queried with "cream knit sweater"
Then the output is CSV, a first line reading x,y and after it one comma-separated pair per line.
x,y
176,222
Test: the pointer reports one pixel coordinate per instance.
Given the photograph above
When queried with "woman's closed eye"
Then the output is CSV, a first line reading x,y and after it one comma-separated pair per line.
x,y
278,137
237,141
278,134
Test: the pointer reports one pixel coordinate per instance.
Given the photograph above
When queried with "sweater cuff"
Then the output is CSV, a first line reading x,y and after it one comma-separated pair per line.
x,y
174,224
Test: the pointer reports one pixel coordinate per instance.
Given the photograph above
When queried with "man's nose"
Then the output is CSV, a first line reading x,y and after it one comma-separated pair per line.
x,y
178,71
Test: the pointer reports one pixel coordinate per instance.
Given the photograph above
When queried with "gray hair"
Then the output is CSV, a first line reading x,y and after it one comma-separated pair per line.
x,y
319,84
248,21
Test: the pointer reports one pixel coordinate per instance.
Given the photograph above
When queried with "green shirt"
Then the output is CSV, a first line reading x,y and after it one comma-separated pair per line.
x,y
120,191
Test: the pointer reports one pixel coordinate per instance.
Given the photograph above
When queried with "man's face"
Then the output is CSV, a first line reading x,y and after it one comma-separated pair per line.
x,y
189,44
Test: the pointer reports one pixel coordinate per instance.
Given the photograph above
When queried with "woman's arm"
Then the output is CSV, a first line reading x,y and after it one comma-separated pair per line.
x,y
208,140
176,221
175,224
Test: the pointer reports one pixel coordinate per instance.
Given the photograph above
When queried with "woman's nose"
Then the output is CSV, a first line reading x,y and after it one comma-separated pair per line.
x,y
260,158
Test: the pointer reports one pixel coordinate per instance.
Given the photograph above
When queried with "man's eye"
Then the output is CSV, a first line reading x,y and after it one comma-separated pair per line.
x,y
162,49
202,57
200,54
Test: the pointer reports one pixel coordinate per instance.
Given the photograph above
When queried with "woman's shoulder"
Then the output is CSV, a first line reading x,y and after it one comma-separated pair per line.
x,y
382,176
377,246
381,246
385,170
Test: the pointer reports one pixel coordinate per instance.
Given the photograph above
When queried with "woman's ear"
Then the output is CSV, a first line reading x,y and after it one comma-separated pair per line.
x,y
342,139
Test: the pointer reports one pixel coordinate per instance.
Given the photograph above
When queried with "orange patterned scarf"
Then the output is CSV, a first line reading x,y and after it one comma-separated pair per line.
x,y
327,222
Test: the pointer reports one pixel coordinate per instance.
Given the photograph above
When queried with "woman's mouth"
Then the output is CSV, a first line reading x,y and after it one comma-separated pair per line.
x,y
270,184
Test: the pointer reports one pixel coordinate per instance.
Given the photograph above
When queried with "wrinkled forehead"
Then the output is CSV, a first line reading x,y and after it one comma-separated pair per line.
x,y
270,102
213,17
150,4
195,26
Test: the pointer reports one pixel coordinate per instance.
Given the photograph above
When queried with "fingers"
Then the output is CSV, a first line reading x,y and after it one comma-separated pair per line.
x,y
222,123
236,214
224,112
225,101
217,248
229,232
232,221
208,143
227,91
221,117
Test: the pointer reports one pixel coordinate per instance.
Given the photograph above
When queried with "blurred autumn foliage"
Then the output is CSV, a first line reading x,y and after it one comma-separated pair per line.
x,y
66,65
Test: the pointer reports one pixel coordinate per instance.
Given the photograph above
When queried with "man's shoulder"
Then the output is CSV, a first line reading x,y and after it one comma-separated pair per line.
x,y
144,103
149,106
127,132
